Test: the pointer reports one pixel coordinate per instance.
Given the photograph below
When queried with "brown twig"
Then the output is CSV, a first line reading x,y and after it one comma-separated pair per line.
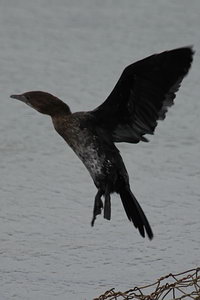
x,y
185,285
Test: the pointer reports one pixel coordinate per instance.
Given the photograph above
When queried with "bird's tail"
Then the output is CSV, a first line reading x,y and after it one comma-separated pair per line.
x,y
134,212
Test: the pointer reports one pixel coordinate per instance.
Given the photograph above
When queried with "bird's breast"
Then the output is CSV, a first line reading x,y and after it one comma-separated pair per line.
x,y
89,151
84,143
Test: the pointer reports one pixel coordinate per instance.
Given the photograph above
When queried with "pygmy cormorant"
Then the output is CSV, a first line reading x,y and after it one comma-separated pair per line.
x,y
140,98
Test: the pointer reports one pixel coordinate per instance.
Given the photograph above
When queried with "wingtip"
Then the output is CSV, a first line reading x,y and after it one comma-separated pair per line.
x,y
191,49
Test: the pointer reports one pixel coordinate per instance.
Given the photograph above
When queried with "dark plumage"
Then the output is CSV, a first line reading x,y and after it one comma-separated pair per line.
x,y
140,98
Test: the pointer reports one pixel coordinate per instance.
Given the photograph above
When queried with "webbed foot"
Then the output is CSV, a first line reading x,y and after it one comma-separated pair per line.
x,y
107,206
98,205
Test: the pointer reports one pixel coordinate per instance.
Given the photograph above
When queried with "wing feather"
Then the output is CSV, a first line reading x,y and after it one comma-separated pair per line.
x,y
143,94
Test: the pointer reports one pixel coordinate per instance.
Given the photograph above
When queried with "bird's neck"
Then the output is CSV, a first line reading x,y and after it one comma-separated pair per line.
x,y
61,122
60,110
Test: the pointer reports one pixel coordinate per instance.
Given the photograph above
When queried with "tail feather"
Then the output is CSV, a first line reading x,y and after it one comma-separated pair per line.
x,y
135,213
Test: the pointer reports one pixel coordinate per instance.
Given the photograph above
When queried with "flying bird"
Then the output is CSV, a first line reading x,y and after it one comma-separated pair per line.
x,y
141,97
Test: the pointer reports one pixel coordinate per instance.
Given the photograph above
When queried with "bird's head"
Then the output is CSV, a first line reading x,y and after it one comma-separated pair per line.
x,y
43,102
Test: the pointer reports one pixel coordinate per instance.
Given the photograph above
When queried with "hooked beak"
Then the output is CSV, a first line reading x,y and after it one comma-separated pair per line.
x,y
19,97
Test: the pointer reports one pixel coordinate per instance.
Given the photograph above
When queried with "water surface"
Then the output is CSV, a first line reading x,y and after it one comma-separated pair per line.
x,y
77,50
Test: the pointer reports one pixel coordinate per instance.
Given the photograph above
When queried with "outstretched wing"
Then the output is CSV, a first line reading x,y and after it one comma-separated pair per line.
x,y
142,95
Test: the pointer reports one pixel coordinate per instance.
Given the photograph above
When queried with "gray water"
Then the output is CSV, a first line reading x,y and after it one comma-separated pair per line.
x,y
77,51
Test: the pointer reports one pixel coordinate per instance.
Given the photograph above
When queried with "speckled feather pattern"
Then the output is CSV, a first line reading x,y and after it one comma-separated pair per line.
x,y
83,143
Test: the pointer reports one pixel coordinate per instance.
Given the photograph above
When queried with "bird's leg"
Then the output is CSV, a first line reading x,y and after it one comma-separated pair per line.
x,y
98,205
107,205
